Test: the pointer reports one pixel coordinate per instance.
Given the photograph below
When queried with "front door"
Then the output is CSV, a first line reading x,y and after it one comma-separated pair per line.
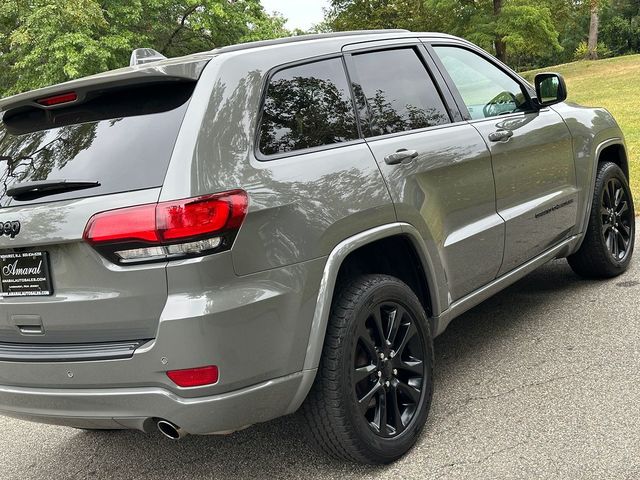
x,y
531,149
438,169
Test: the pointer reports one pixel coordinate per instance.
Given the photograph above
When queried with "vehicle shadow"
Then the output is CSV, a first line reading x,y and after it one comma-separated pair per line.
x,y
489,332
279,449
496,318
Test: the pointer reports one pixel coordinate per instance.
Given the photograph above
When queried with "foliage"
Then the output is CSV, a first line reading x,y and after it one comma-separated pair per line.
x,y
620,28
534,32
525,26
582,50
527,29
374,14
50,41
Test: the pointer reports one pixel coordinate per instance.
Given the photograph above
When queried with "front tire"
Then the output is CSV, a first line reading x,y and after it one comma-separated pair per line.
x,y
372,392
608,243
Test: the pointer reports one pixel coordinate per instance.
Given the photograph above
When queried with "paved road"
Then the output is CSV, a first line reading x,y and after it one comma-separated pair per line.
x,y
542,381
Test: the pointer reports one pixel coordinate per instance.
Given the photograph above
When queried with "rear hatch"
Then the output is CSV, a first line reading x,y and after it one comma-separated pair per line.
x,y
67,153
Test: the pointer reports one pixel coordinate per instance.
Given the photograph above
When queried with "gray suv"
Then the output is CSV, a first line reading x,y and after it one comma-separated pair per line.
x,y
203,243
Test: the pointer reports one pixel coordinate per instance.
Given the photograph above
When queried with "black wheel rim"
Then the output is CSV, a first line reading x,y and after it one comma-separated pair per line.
x,y
388,369
617,217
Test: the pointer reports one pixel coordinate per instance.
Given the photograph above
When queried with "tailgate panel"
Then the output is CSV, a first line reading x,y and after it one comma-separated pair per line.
x,y
93,300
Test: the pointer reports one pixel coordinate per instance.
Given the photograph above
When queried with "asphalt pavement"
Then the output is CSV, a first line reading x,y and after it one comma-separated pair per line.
x,y
541,381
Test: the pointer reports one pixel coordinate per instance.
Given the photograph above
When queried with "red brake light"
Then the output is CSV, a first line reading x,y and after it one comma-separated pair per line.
x,y
58,99
169,229
200,216
194,377
134,223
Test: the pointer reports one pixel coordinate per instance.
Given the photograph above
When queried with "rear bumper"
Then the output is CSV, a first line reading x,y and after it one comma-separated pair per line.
x,y
140,408
254,328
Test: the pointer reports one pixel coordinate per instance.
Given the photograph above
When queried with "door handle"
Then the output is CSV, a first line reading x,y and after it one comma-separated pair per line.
x,y
400,156
500,135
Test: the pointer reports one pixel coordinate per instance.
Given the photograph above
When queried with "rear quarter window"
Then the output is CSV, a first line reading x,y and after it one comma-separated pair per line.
x,y
307,106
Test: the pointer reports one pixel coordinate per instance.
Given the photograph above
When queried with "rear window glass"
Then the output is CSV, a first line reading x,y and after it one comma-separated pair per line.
x,y
307,106
122,139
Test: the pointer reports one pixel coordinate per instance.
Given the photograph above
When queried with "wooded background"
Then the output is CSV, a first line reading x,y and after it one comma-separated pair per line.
x,y
46,42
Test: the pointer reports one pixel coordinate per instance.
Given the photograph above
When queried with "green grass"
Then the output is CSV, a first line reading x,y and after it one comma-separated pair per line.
x,y
613,83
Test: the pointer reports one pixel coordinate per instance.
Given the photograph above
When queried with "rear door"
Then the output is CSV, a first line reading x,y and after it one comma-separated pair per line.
x,y
54,287
531,149
437,167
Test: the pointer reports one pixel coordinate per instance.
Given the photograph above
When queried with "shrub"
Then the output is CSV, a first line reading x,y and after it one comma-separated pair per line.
x,y
582,49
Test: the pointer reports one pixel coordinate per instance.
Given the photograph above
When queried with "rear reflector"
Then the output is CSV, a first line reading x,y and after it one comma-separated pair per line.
x,y
194,377
187,227
58,99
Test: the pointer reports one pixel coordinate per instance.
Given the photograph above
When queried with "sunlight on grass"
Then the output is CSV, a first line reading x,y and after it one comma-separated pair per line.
x,y
613,83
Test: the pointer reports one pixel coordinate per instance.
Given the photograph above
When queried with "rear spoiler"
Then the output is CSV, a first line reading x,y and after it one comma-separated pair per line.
x,y
186,69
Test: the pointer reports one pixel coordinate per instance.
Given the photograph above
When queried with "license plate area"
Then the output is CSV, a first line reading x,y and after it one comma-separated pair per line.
x,y
25,274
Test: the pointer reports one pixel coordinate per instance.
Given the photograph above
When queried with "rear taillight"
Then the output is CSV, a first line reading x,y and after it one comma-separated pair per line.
x,y
182,228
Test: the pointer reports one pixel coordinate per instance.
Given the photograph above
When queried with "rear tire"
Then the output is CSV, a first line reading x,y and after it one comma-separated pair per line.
x,y
372,392
608,243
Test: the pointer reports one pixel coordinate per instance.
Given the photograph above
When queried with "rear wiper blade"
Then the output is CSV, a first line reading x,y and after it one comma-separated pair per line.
x,y
40,188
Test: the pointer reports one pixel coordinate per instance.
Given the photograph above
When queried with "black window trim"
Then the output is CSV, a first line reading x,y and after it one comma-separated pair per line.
x,y
524,85
262,157
455,116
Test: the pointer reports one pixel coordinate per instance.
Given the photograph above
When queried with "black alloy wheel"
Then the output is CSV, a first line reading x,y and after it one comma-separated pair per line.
x,y
372,393
616,219
388,368
607,247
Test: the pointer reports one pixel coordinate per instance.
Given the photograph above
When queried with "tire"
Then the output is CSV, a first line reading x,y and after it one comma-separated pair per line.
x,y
607,247
340,419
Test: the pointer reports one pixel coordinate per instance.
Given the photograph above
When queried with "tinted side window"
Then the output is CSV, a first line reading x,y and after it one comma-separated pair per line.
x,y
486,90
307,106
397,91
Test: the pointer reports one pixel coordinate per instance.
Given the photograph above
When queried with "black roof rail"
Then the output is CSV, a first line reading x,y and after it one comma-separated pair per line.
x,y
303,38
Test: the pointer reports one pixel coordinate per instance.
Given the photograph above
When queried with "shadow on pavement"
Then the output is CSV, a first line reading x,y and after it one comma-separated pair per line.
x,y
279,449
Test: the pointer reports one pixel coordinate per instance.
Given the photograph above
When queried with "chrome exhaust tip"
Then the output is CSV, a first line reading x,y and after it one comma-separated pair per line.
x,y
170,430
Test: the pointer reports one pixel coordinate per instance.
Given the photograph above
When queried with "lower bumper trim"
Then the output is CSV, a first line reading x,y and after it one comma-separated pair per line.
x,y
73,352
139,408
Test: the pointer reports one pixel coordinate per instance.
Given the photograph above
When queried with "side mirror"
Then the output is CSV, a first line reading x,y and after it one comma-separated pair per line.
x,y
550,89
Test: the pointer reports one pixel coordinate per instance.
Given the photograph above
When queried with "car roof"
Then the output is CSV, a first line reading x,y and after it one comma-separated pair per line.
x,y
189,67
333,40
318,37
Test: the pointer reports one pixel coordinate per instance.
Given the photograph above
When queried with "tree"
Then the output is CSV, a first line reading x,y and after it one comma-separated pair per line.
x,y
506,27
51,41
499,44
620,26
374,14
527,30
592,53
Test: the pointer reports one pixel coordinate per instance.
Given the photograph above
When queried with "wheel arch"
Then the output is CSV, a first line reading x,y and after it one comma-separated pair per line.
x,y
349,256
615,153
395,256
614,150
433,275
